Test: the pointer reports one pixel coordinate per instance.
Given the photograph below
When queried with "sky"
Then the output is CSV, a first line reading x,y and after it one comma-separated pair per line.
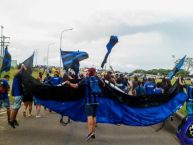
x,y
150,32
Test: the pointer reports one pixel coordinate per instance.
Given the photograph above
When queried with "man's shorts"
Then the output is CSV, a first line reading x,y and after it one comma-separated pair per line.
x,y
90,109
17,102
4,101
35,101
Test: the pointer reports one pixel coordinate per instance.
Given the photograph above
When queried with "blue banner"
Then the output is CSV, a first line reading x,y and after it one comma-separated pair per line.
x,y
114,112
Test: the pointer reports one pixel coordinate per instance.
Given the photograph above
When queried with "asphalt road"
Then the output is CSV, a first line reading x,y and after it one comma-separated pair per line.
x,y
48,131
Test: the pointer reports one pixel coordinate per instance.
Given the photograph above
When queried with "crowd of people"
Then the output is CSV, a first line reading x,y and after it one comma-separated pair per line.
x,y
138,86
88,78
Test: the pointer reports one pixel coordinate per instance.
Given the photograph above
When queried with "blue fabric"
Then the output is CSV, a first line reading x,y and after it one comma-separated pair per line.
x,y
109,111
6,65
176,68
16,86
113,40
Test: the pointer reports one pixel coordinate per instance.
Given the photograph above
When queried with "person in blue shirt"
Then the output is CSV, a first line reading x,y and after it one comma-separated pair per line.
x,y
166,84
56,79
121,82
149,86
139,89
17,94
47,79
158,89
4,98
93,89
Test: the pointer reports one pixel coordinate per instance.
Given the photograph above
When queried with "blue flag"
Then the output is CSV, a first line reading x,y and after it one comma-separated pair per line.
x,y
71,59
113,40
176,68
6,61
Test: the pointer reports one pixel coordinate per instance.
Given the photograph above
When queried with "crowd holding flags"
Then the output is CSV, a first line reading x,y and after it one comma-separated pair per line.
x,y
141,110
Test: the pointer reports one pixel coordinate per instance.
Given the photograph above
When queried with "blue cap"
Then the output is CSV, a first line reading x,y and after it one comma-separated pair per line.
x,y
4,83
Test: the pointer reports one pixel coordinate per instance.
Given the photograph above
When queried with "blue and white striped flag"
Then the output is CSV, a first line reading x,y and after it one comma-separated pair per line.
x,y
176,68
71,59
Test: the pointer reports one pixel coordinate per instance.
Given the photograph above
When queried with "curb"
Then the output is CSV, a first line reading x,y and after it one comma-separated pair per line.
x,y
2,112
179,115
177,119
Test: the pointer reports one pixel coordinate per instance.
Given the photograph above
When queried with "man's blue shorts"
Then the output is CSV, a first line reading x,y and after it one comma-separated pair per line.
x,y
4,101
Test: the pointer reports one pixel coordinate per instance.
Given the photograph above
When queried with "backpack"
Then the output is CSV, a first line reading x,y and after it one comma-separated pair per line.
x,y
94,86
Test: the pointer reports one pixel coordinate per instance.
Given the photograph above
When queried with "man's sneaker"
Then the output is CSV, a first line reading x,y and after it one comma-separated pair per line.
x,y
89,136
16,123
24,114
11,123
93,136
38,116
62,122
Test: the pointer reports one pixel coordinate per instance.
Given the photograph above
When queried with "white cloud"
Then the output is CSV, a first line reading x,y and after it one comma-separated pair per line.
x,y
149,31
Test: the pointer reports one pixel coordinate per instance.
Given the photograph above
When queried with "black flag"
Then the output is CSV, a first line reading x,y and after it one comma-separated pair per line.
x,y
29,63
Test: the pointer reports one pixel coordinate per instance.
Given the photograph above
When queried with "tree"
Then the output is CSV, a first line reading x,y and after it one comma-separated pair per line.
x,y
188,65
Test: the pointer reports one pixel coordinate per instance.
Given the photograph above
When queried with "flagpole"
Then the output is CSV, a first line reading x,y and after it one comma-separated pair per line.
x,y
61,41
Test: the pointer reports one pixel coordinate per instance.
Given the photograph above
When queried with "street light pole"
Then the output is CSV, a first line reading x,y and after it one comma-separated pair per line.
x,y
36,54
48,51
61,40
2,40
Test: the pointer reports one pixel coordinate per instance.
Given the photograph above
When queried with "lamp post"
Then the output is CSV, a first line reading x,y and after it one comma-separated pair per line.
x,y
48,51
36,54
61,40
1,39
